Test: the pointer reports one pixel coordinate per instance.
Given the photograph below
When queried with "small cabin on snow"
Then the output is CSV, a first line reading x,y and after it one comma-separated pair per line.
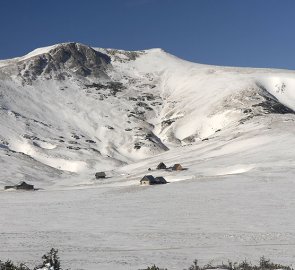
x,y
161,166
177,167
21,186
147,180
150,180
160,180
100,175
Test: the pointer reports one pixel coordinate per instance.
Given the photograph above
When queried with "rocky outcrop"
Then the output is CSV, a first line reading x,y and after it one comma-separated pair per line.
x,y
64,61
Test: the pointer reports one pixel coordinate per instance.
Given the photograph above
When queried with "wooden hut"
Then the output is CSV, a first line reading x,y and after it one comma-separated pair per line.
x,y
21,186
161,166
24,186
147,180
177,167
160,180
100,175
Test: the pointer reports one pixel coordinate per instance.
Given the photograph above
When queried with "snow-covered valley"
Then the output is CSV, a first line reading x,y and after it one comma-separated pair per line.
x,y
68,111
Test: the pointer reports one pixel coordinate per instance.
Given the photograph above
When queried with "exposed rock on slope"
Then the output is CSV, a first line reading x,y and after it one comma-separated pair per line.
x,y
63,61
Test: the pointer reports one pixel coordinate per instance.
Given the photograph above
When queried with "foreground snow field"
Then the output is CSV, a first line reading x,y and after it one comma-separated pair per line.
x,y
235,217
68,110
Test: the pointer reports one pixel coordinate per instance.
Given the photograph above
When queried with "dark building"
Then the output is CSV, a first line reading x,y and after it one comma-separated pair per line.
x,y
160,180
25,186
161,166
99,175
150,180
177,167
21,186
147,180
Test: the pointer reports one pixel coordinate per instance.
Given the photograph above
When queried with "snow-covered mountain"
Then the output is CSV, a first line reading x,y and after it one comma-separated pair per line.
x,y
69,110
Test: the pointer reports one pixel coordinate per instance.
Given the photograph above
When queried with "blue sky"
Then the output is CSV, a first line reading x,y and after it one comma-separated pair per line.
x,y
256,33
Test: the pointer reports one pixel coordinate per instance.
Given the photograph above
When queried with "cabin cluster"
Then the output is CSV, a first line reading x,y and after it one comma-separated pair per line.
x,y
146,180
151,180
21,186
175,167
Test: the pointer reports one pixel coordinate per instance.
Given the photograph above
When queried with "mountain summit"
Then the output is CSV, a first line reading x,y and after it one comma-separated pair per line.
x,y
61,62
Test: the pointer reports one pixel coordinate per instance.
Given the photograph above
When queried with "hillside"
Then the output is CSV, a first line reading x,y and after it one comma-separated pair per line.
x,y
69,110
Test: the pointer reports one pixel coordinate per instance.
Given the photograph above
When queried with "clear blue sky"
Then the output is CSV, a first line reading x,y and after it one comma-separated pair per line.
x,y
257,33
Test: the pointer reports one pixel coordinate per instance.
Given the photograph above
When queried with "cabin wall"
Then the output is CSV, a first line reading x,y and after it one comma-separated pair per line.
x,y
145,182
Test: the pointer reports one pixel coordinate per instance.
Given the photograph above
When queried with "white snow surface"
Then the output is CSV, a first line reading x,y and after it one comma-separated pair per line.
x,y
231,128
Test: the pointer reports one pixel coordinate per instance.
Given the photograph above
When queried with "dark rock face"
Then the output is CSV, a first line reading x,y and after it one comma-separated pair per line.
x,y
270,104
63,61
273,106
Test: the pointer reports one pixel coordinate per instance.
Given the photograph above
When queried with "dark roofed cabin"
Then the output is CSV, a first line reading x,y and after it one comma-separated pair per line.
x,y
99,175
161,166
21,186
177,167
24,185
147,180
160,180
150,180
